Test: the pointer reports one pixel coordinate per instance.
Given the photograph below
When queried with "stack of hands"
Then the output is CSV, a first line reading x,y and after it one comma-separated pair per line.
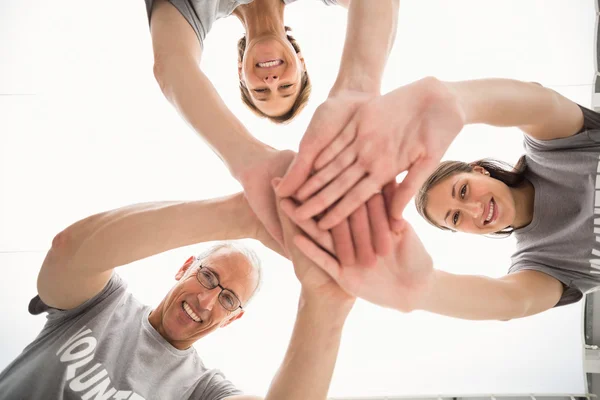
x,y
339,204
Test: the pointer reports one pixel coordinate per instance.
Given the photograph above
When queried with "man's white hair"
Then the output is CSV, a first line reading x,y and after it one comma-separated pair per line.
x,y
248,253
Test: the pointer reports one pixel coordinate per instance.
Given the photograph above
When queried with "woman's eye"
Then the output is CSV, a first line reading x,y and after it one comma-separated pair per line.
x,y
285,86
260,90
463,191
455,218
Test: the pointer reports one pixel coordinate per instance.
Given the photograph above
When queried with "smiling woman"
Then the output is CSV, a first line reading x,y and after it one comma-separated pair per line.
x,y
272,85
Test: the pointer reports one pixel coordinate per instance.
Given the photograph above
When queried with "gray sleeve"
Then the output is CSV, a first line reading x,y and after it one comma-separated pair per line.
x,y
571,294
114,287
188,12
217,387
588,137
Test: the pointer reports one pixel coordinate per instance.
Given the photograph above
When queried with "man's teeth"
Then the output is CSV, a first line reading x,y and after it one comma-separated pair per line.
x,y
491,212
272,63
191,312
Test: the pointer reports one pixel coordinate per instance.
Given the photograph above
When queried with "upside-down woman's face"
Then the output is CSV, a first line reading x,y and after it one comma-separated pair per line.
x,y
471,202
272,72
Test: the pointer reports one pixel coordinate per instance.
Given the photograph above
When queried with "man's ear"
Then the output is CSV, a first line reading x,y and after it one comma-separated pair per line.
x,y
231,319
184,268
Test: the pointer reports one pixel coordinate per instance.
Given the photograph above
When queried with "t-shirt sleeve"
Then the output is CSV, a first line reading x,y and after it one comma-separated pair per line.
x,y
571,294
188,12
587,137
218,387
115,287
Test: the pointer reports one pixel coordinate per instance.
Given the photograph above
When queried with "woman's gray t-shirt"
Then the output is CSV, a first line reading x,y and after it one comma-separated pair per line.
x,y
563,239
201,14
106,348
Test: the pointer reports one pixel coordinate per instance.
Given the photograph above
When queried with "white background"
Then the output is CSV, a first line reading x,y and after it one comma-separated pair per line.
x,y
84,128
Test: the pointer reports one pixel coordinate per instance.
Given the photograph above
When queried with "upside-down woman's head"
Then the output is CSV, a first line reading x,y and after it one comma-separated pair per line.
x,y
474,198
273,78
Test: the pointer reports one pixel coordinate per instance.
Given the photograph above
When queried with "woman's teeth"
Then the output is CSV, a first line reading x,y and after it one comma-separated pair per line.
x,y
491,212
191,312
271,63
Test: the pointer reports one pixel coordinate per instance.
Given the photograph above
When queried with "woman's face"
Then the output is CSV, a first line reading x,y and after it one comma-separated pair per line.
x,y
471,202
272,72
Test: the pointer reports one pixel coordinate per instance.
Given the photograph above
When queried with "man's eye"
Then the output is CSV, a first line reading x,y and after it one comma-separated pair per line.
x,y
228,300
455,218
463,191
208,277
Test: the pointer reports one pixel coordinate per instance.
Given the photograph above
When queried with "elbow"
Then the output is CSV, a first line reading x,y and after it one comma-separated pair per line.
x,y
160,76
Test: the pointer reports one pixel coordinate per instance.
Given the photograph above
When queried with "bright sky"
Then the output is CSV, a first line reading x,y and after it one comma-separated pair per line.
x,y
90,131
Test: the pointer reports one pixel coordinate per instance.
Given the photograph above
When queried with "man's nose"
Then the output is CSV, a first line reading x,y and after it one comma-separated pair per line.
x,y
208,299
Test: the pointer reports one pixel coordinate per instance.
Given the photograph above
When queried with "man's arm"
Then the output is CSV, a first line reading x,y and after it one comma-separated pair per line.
x,y
82,257
307,368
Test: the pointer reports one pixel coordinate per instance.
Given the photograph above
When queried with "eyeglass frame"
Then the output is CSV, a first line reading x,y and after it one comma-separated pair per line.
x,y
200,267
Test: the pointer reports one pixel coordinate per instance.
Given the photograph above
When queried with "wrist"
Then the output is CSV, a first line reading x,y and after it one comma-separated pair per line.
x,y
356,83
333,308
246,155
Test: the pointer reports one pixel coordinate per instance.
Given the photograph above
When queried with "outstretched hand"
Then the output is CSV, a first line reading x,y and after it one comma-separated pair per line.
x,y
408,129
401,279
256,180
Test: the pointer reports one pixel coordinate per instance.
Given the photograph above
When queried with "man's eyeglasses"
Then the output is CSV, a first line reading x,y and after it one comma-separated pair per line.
x,y
209,280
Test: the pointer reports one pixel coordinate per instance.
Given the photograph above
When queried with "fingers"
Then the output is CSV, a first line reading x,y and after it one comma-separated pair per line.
x,y
350,202
379,224
388,194
361,233
341,142
297,173
417,174
329,195
309,226
327,174
318,256
343,244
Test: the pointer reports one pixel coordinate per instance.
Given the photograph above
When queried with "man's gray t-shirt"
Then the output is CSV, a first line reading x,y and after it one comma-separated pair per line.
x,y
563,239
201,14
107,349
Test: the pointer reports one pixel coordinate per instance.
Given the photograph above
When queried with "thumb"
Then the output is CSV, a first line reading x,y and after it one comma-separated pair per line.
x,y
297,173
417,174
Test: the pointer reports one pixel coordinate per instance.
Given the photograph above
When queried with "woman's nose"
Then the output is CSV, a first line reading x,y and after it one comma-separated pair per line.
x,y
271,78
474,209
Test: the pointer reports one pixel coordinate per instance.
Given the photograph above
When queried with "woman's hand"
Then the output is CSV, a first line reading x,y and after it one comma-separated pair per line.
x,y
408,129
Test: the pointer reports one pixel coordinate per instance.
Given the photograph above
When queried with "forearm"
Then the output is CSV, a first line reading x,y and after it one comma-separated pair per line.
x,y
369,39
472,297
309,362
113,238
189,90
539,111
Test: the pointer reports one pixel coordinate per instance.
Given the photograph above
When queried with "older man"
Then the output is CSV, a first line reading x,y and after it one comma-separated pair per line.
x,y
101,343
